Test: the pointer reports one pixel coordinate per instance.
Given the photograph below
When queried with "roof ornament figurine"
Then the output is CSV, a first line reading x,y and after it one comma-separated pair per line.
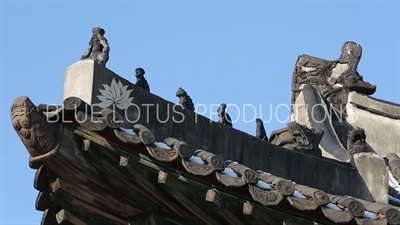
x,y
184,99
140,80
98,49
224,117
260,130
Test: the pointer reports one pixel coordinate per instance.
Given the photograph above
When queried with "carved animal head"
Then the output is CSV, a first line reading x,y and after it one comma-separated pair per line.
x,y
221,108
139,72
31,126
181,93
356,141
304,137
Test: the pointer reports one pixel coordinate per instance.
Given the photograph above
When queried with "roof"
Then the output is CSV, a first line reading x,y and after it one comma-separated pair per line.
x,y
89,173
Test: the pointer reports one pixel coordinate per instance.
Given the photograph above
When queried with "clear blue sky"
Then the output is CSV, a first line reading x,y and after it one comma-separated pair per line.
x,y
238,52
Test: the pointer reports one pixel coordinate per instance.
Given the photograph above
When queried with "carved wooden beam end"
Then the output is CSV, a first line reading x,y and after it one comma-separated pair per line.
x,y
123,160
255,216
284,187
145,135
38,135
67,218
214,197
337,216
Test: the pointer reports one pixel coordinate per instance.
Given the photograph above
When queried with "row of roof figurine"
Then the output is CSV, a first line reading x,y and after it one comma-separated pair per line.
x,y
99,49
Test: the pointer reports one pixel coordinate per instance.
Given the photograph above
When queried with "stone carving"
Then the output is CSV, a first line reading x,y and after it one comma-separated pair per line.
x,y
184,99
332,78
38,136
264,197
355,207
337,216
305,139
303,204
298,137
127,138
356,141
214,161
283,186
140,80
260,130
247,174
224,117
321,197
181,147
230,181
98,49
145,135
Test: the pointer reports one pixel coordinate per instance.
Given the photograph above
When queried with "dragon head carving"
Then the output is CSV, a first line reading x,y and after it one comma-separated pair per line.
x,y
32,127
356,141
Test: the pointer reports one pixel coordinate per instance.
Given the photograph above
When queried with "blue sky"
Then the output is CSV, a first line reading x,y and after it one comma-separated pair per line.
x,y
240,52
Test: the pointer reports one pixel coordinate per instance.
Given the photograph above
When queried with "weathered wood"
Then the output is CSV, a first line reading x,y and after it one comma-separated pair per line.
x,y
34,164
142,179
218,203
43,200
172,184
102,200
146,136
255,216
149,218
66,218
48,218
40,182
155,196
337,216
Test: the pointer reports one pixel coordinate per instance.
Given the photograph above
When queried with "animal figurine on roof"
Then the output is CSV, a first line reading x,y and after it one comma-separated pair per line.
x,y
140,80
98,49
184,99
224,117
260,130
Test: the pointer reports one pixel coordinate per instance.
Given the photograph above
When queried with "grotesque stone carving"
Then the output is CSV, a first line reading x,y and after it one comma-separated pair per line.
x,y
140,80
332,78
260,130
98,49
224,117
184,99
356,141
299,138
38,136
305,139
